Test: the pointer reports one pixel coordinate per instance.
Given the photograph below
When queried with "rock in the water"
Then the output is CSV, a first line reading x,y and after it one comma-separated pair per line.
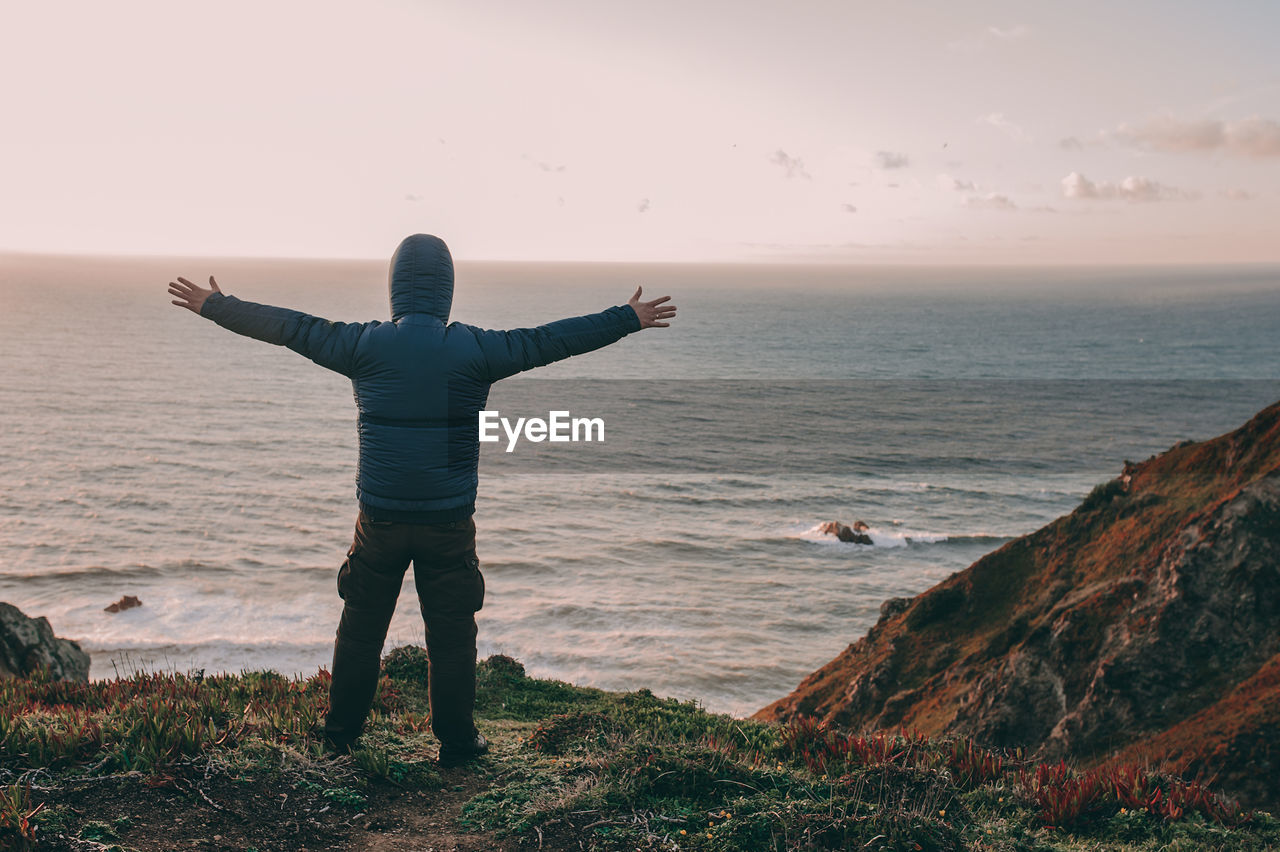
x,y
28,643
126,602
857,534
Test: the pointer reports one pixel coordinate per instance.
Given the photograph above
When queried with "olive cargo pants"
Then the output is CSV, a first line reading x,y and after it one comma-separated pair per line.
x,y
450,590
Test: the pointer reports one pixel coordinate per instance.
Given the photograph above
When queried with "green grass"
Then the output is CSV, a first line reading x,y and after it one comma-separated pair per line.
x,y
571,765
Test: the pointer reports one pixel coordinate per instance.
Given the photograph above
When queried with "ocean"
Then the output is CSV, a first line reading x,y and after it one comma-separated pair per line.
x,y
145,451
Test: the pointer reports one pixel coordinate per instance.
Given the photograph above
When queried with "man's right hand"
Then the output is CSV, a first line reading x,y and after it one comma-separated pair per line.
x,y
649,312
191,296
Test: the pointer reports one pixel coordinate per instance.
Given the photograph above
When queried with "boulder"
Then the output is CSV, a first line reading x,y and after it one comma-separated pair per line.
x,y
28,643
126,602
857,534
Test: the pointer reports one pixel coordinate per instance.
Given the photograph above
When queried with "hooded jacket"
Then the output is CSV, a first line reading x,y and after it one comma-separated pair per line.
x,y
420,381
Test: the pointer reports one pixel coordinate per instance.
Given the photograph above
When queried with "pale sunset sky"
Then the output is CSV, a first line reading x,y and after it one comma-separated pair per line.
x,y
1145,131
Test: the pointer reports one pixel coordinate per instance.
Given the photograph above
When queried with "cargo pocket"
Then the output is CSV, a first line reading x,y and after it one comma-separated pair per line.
x,y
344,572
474,563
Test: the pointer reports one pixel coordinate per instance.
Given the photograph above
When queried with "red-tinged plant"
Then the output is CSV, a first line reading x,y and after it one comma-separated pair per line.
x,y
388,697
1132,787
1062,795
1170,798
729,746
17,830
879,749
1184,798
827,750
411,722
1229,813
971,765
814,742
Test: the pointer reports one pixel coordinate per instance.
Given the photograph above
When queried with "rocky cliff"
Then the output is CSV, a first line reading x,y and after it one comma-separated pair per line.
x,y
27,644
1145,625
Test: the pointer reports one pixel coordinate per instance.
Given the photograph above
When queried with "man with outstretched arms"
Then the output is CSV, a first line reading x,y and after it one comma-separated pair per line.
x,y
420,383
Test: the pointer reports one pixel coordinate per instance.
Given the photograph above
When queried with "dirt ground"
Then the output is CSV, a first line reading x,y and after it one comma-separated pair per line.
x,y
189,811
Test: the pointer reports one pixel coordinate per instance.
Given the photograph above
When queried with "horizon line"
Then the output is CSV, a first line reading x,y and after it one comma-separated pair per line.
x,y
763,261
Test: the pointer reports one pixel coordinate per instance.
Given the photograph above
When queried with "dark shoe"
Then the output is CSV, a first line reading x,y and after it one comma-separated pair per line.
x,y
452,754
332,746
335,747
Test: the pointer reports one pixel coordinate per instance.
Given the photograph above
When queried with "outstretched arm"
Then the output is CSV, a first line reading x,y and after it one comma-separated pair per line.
x,y
511,352
329,344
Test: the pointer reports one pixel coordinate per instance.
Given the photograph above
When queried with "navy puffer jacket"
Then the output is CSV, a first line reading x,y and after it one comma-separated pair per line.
x,y
419,380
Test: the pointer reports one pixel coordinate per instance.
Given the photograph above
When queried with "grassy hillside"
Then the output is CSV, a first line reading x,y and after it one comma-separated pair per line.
x,y
1141,625
160,761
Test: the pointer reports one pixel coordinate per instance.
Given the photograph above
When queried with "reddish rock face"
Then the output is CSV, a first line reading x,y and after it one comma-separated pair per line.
x,y
1144,625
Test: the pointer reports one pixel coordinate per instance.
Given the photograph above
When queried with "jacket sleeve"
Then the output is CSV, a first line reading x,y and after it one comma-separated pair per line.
x,y
509,352
329,344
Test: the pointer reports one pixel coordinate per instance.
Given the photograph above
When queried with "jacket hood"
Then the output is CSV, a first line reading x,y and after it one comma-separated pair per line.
x,y
421,279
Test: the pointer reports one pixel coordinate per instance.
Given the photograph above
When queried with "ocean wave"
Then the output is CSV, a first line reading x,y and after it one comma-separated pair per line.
x,y
96,572
891,537
979,538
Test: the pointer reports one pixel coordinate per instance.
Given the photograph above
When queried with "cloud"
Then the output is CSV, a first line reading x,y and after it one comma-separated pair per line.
x,y
1132,188
891,160
1254,137
848,208
952,184
1076,185
977,41
999,122
546,167
1070,143
1009,33
794,166
990,201
1249,137
642,205
409,196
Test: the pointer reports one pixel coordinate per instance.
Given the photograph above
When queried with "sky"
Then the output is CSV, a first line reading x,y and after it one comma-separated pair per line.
x,y
669,130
